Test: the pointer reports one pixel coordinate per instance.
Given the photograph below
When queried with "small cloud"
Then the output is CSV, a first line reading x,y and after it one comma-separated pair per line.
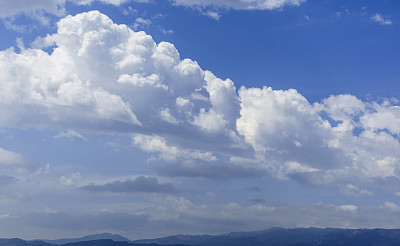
x,y
212,14
392,206
106,210
307,18
165,31
70,134
140,184
141,23
339,13
297,143
129,11
20,44
379,19
240,5
364,10
6,216
71,180
348,208
354,191
43,170
10,158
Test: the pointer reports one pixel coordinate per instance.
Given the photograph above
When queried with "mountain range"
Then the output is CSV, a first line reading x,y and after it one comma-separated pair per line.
x,y
268,237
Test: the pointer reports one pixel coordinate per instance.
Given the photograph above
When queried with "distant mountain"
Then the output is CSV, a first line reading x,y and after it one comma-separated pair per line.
x,y
269,237
114,237
290,237
20,242
109,242
100,242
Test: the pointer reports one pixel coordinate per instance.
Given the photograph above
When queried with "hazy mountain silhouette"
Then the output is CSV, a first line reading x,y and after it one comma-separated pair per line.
x,y
114,237
20,242
100,242
109,242
269,237
290,237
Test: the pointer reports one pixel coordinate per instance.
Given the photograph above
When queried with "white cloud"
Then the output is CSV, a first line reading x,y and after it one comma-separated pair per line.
x,y
385,116
167,152
113,2
349,208
273,121
212,14
9,8
240,4
141,23
343,107
38,10
140,184
209,121
381,20
72,180
104,77
373,150
6,216
165,31
392,206
352,190
70,134
211,8
10,158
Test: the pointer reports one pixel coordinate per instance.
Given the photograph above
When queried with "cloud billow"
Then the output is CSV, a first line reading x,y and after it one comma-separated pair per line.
x,y
106,78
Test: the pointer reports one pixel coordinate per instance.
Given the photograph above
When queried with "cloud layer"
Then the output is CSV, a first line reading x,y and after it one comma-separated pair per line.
x,y
179,214
104,77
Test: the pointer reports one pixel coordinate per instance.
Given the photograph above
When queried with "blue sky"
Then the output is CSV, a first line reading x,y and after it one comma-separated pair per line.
x,y
152,118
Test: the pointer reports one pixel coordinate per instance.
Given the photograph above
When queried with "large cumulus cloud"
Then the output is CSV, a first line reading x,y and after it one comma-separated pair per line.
x,y
104,77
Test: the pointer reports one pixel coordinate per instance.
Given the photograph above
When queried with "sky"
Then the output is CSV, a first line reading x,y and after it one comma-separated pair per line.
x,y
150,118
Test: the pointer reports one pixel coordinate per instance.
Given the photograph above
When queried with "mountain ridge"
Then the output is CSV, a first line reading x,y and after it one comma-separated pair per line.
x,y
275,236
97,236
289,237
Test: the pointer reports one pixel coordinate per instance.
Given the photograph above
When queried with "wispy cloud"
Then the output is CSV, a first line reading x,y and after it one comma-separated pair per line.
x,y
239,4
140,184
141,23
70,134
352,190
10,158
381,20
211,8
